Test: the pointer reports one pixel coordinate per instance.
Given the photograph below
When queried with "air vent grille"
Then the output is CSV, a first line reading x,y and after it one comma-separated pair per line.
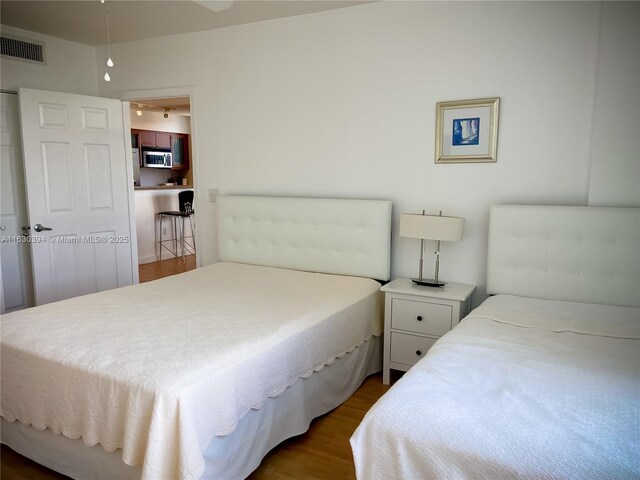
x,y
21,49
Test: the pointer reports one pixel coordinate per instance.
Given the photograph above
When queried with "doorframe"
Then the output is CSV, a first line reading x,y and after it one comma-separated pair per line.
x,y
172,92
133,232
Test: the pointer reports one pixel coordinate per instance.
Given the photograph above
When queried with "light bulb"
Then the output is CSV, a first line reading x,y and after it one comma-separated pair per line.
x,y
101,1
139,112
109,62
107,78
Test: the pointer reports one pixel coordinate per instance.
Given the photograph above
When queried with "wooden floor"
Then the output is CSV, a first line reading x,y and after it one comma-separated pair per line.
x,y
323,453
155,270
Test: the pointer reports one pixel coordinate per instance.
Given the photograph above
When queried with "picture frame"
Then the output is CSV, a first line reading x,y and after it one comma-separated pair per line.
x,y
467,131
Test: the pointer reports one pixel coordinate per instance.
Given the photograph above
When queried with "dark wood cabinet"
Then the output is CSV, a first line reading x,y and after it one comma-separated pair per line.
x,y
163,140
150,139
147,138
180,151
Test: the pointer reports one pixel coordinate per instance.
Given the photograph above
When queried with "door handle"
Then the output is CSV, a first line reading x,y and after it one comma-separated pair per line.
x,y
39,228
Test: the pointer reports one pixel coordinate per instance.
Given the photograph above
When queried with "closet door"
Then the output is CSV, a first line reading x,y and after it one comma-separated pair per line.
x,y
16,286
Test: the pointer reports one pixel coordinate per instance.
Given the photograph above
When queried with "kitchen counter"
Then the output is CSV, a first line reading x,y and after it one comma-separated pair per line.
x,y
165,187
149,202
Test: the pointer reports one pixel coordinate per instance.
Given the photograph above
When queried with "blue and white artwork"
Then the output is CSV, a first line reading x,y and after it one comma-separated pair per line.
x,y
466,131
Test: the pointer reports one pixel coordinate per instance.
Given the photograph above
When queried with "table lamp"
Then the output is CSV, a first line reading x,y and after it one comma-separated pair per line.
x,y
431,227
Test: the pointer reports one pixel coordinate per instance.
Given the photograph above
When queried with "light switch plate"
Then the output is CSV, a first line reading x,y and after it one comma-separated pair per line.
x,y
213,193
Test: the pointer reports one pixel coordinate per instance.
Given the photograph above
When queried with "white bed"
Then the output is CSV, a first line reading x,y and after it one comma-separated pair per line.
x,y
199,375
543,379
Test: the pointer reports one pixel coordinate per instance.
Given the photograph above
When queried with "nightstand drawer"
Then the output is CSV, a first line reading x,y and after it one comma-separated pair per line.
x,y
421,317
408,349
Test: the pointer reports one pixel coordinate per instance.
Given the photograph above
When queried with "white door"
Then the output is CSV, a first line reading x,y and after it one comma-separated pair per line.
x,y
16,288
77,186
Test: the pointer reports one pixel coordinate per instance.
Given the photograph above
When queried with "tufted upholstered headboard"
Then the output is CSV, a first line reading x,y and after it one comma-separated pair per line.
x,y
346,237
580,254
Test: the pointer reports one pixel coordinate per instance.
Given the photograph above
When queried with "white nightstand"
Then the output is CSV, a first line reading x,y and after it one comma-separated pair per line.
x,y
416,316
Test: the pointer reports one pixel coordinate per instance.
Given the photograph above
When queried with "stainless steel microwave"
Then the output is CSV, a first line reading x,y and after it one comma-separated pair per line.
x,y
156,159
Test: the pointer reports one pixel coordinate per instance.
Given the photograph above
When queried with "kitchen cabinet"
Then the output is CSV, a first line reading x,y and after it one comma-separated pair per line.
x,y
163,140
150,139
180,151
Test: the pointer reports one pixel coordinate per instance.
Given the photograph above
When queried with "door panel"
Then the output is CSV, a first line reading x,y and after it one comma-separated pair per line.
x,y
7,192
76,173
105,261
63,267
98,177
95,120
54,116
58,177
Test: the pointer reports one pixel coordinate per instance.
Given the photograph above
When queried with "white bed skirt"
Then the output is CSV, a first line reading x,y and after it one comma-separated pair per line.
x,y
233,456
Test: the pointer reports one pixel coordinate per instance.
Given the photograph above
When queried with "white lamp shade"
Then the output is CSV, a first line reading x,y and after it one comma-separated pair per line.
x,y
431,227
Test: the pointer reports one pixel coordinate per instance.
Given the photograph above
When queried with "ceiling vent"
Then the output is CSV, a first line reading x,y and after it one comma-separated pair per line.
x,y
33,52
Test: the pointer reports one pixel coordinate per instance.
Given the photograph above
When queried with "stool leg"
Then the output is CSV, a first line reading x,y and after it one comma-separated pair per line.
x,y
161,218
175,238
193,235
182,236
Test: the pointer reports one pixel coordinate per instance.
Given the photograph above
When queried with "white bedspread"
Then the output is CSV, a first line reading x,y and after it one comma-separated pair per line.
x,y
522,388
159,368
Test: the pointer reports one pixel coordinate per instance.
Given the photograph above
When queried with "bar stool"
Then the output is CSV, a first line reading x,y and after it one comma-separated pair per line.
x,y
185,210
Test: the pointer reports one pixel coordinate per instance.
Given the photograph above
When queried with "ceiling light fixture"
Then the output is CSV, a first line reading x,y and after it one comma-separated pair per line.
x,y
137,107
215,6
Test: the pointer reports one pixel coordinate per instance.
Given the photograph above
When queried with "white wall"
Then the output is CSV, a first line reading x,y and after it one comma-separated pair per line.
x,y
342,103
615,152
69,67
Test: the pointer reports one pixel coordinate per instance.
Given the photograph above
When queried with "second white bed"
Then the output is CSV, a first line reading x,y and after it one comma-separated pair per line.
x,y
522,388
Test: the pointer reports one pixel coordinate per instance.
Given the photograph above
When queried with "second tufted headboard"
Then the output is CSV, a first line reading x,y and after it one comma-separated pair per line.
x,y
341,236
580,254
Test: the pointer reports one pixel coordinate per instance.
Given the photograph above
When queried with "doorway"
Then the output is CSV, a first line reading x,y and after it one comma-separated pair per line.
x,y
163,169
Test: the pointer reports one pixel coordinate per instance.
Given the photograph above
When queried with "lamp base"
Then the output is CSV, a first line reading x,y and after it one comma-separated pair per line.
x,y
428,282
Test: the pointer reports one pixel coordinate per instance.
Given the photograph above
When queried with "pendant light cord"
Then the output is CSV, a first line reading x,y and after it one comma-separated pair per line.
x,y
109,62
108,38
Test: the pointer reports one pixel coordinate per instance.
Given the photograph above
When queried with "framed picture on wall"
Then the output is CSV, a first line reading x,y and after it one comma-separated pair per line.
x,y
467,131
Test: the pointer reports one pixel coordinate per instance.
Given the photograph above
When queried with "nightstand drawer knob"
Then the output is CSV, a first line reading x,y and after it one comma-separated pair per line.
x,y
419,318
418,352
